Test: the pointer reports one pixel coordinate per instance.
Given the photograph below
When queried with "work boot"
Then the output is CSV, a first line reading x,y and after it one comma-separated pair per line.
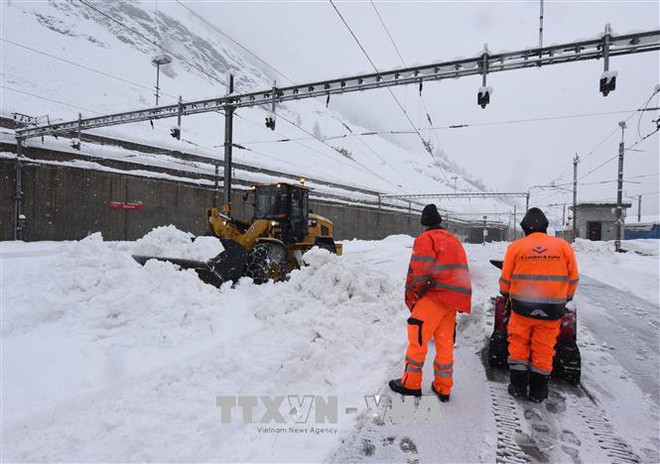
x,y
538,387
518,385
397,386
442,397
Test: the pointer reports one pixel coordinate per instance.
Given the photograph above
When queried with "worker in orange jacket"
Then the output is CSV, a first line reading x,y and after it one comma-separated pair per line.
x,y
437,286
539,275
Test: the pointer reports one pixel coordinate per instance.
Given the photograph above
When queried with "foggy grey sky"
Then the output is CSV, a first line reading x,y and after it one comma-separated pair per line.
x,y
307,41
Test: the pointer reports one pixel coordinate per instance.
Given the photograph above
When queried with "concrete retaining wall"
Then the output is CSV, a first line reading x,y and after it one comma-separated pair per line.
x,y
67,203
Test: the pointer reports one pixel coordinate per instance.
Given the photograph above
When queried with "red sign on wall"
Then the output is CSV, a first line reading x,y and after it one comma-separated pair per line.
x,y
132,206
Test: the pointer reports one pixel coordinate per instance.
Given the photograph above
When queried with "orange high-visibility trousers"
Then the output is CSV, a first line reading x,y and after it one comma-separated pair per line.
x,y
430,319
532,340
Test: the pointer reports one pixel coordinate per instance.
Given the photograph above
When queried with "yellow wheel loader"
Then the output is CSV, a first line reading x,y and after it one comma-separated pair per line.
x,y
271,245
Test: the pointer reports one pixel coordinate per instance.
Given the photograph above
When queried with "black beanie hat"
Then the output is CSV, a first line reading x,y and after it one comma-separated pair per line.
x,y
534,221
430,216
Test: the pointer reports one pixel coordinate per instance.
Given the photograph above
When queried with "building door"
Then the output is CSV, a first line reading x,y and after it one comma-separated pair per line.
x,y
594,230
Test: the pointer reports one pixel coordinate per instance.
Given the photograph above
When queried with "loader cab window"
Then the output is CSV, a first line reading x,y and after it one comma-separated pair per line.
x,y
299,198
271,202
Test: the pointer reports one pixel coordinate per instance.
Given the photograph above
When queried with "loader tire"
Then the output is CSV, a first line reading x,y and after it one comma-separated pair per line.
x,y
267,261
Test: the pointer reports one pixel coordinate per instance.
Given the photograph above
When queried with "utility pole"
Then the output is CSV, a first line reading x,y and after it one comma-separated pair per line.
x,y
527,202
514,221
639,208
512,224
576,160
485,232
563,216
229,139
216,178
619,191
380,202
19,217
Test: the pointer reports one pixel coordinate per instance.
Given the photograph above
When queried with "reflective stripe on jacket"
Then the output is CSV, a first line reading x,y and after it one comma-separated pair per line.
x,y
539,274
438,269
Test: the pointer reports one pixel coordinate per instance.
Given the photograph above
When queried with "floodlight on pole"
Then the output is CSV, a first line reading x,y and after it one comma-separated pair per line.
x,y
157,61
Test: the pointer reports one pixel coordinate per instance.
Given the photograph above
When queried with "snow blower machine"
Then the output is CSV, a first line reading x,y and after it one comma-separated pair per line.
x,y
566,363
268,247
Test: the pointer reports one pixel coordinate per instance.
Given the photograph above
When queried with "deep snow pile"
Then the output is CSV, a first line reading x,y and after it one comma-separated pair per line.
x,y
632,271
170,242
110,339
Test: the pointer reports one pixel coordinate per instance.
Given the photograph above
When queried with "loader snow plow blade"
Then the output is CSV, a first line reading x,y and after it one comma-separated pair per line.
x,y
228,265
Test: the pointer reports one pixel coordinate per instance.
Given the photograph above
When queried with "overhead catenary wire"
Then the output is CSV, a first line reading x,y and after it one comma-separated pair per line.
x,y
591,152
645,108
334,148
88,68
350,30
41,97
454,126
566,184
143,37
604,163
236,42
403,62
312,136
139,34
349,160
617,155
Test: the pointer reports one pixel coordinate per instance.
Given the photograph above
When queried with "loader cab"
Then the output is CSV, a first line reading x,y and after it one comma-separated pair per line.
x,y
286,205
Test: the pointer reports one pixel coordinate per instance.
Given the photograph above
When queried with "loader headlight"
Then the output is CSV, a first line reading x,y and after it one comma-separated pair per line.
x,y
274,223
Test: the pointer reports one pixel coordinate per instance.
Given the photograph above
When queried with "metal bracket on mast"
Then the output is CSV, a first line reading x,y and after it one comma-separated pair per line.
x,y
608,79
483,96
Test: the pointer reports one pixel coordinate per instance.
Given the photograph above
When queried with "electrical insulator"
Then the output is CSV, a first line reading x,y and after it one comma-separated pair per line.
x,y
176,132
483,96
270,122
607,82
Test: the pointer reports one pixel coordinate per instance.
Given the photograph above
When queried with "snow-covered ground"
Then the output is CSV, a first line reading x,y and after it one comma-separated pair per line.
x,y
106,360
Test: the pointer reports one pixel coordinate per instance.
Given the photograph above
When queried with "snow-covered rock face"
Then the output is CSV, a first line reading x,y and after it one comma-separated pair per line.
x,y
66,17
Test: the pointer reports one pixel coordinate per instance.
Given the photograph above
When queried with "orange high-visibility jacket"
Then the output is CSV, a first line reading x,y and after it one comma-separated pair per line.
x,y
438,269
539,274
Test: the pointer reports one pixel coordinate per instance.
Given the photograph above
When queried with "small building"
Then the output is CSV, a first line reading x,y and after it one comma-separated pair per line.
x,y
597,221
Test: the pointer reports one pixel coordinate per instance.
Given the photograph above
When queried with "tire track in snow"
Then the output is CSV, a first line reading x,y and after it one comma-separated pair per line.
x,y
375,439
508,425
596,420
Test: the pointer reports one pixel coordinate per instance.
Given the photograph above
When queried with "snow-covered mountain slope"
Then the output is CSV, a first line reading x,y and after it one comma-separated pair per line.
x,y
95,58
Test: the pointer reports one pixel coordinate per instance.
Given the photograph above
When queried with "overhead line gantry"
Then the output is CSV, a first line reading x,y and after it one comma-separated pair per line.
x,y
605,47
